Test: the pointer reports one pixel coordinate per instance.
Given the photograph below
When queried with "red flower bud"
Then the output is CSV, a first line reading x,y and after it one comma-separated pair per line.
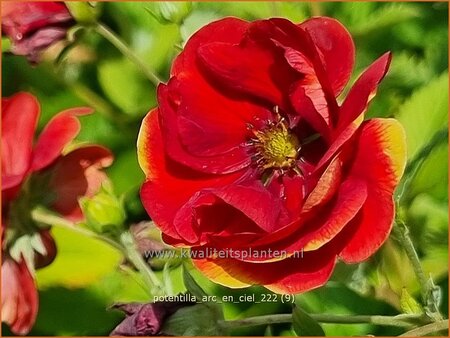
x,y
33,26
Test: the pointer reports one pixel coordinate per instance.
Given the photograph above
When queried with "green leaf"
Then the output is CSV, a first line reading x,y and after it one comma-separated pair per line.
x,y
74,265
384,18
408,304
432,176
125,86
191,285
197,320
304,324
424,113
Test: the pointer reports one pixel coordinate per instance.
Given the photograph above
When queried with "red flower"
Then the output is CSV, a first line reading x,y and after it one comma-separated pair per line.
x,y
42,174
250,150
20,303
33,26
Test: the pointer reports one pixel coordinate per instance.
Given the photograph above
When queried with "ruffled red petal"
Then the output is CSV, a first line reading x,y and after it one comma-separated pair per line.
x,y
169,185
336,49
363,91
380,161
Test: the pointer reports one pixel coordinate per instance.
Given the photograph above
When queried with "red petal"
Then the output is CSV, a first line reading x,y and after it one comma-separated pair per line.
x,y
79,173
302,54
316,229
336,49
380,161
228,30
205,131
58,133
169,185
341,140
232,210
288,276
325,188
20,114
363,91
200,109
19,297
304,106
249,68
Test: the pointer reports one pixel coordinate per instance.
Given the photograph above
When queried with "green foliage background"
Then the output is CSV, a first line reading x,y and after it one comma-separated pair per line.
x,y
85,279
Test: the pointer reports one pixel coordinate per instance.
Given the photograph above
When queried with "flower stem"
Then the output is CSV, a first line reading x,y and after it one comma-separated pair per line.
x,y
427,329
136,259
126,246
127,51
399,320
427,287
43,216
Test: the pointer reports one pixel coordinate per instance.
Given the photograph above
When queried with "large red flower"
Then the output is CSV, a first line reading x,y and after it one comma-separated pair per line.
x,y
39,173
249,149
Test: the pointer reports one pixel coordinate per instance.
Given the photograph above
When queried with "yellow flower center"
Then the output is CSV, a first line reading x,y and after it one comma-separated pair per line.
x,y
276,147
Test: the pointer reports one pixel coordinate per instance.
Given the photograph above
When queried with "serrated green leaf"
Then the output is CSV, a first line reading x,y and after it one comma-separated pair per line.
x,y
408,304
304,325
385,18
424,113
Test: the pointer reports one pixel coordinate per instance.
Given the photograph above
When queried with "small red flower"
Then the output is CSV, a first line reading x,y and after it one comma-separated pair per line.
x,y
19,296
41,173
34,26
249,149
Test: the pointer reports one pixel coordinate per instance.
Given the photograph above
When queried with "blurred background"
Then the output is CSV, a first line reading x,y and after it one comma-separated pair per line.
x,y
86,277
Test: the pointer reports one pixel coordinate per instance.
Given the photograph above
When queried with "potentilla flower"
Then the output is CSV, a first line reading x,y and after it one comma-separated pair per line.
x,y
34,26
39,173
250,149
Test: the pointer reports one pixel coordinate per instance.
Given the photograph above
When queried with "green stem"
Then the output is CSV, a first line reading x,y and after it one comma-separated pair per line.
x,y
136,259
401,231
127,51
400,320
427,329
127,246
43,216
